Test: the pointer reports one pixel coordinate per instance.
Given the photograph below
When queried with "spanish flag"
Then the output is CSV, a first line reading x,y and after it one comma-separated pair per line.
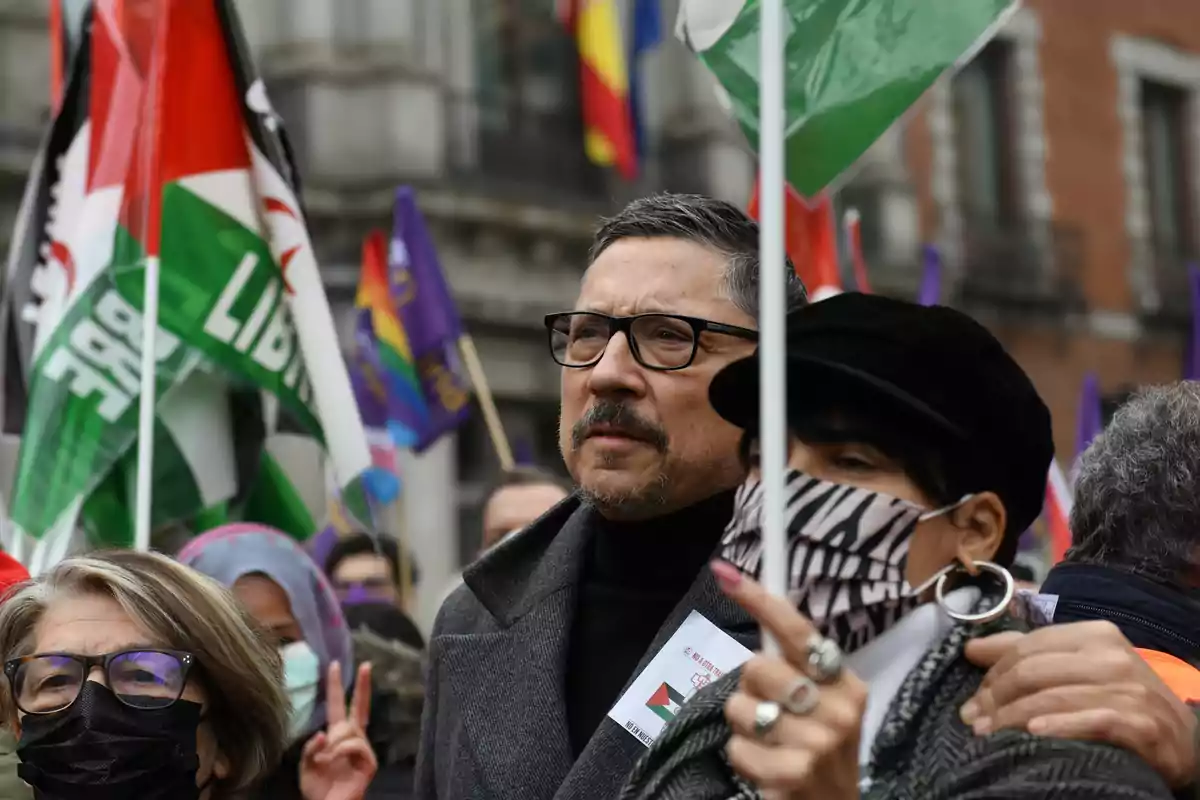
x,y
607,121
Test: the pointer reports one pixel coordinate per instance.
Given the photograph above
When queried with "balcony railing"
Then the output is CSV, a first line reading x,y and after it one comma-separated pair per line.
x,y
1032,266
521,149
1170,300
538,152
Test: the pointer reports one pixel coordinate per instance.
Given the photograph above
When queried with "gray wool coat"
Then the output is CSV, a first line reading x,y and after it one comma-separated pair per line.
x,y
494,724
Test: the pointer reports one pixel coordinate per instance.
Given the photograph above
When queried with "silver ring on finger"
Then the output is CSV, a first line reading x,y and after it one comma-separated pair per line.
x,y
766,717
802,696
824,659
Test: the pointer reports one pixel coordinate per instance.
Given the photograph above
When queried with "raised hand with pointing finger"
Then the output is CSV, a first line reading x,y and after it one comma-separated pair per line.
x,y
338,763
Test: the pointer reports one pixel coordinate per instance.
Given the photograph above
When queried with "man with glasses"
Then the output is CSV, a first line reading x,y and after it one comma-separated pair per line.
x,y
529,656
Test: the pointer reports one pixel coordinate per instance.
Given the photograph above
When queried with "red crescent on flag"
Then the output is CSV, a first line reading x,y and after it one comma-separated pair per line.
x,y
62,254
275,205
284,260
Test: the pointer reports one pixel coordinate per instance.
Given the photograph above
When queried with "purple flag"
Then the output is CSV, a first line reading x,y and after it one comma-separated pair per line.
x,y
366,374
1090,419
321,545
1191,348
430,319
931,280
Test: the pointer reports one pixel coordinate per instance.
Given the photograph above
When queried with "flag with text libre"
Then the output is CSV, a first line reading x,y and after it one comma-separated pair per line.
x,y
245,333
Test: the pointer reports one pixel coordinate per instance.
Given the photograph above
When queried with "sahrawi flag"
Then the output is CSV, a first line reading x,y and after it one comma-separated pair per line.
x,y
179,157
852,67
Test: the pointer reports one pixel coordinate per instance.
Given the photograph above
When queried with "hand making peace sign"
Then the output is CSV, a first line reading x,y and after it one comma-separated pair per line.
x,y
338,763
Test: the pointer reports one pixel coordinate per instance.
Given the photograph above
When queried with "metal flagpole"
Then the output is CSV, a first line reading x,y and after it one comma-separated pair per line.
x,y
145,462
772,301
148,396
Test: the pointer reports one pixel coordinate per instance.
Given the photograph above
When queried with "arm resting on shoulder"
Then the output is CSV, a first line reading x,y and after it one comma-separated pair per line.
x,y
1012,765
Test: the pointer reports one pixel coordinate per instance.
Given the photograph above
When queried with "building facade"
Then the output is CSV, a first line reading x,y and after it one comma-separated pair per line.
x,y
1060,171
1057,173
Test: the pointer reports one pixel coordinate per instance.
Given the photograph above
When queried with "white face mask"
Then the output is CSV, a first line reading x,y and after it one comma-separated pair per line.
x,y
847,550
302,677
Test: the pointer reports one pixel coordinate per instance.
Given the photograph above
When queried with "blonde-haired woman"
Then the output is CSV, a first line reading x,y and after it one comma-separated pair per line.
x,y
129,675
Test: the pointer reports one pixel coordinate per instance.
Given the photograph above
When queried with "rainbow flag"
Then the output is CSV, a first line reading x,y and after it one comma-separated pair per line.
x,y
384,373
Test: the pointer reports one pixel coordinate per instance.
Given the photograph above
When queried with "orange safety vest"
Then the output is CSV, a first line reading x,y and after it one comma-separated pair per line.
x,y
1182,677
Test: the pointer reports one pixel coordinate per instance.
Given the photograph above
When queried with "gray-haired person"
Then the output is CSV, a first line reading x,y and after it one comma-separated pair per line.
x,y
1135,543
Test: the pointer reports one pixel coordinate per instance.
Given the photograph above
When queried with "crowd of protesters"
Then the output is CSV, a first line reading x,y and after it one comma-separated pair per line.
x,y
910,664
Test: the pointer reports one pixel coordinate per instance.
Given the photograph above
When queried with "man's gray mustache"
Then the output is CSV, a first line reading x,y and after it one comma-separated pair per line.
x,y
623,419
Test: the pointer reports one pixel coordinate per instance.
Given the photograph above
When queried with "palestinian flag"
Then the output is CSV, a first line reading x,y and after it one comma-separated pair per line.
x,y
852,67
665,702
175,157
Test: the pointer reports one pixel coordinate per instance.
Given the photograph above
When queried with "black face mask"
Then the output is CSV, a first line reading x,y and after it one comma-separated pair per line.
x,y
101,749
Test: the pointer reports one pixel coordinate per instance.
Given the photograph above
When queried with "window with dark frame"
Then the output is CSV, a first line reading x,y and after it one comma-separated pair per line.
x,y
1168,162
985,134
528,100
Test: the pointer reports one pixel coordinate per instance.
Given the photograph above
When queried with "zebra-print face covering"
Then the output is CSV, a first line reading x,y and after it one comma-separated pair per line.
x,y
847,549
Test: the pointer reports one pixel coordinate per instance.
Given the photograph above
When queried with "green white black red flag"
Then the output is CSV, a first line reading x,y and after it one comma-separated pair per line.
x,y
179,159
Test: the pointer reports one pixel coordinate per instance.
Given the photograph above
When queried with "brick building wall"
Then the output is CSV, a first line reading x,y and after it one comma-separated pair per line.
x,y
1075,73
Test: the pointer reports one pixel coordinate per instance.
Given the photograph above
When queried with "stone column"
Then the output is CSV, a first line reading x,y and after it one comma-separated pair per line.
x,y
430,507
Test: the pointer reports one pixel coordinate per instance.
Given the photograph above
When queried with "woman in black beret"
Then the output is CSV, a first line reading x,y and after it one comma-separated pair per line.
x,y
918,453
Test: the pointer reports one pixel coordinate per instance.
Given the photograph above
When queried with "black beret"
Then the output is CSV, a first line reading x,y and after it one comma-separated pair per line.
x,y
931,368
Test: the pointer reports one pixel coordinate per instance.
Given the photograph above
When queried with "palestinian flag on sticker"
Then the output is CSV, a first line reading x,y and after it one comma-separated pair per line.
x,y
178,158
665,702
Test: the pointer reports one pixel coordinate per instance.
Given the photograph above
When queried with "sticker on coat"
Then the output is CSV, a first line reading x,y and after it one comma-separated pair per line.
x,y
695,656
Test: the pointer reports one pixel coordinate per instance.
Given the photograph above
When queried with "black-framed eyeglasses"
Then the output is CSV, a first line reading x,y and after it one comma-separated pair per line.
x,y
578,339
144,678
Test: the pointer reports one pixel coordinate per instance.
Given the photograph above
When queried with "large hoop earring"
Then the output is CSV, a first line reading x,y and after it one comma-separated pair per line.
x,y
997,611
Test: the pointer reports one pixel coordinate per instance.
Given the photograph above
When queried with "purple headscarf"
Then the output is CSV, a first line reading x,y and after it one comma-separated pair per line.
x,y
233,551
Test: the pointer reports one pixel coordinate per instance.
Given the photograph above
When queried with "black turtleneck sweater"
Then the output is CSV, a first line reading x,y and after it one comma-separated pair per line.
x,y
634,576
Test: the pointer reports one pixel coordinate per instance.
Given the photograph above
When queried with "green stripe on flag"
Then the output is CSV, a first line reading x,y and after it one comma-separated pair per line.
x,y
82,415
178,496
221,291
853,67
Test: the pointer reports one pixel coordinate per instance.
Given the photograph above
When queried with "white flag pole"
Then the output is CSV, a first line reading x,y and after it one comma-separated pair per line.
x,y
772,301
145,462
16,547
148,397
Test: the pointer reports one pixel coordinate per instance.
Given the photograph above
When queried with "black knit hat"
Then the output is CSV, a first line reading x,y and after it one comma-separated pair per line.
x,y
930,368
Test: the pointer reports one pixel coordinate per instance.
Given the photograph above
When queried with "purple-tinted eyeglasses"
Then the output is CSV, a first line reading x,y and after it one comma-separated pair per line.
x,y
146,678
